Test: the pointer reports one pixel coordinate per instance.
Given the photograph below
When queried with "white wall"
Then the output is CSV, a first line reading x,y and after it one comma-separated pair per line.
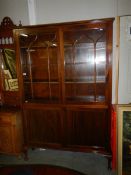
x,y
51,11
48,11
124,93
16,9
123,7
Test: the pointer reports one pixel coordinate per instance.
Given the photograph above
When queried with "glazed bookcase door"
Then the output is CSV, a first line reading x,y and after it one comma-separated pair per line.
x,y
85,65
40,66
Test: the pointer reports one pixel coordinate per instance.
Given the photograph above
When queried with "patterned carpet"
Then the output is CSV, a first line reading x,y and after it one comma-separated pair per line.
x,y
87,163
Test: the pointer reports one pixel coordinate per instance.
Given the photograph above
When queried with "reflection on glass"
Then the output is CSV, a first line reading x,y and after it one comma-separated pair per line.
x,y
8,65
85,65
40,66
126,143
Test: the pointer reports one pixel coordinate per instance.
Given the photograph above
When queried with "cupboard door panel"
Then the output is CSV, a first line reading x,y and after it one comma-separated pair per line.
x,y
11,131
87,127
6,144
43,126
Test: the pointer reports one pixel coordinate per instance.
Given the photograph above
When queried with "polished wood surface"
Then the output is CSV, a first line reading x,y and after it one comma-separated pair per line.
x,y
39,170
11,132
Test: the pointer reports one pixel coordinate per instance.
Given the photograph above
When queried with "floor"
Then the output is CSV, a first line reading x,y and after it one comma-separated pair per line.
x,y
88,163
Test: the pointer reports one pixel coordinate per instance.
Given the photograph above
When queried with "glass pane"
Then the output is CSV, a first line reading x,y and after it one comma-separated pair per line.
x,y
40,67
126,143
101,71
8,65
85,65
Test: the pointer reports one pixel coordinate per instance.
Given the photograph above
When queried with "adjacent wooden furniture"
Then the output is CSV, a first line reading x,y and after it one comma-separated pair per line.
x,y
65,76
39,170
11,137
9,94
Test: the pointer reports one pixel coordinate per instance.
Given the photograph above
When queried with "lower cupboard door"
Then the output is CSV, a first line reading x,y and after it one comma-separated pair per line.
x,y
6,143
88,128
43,127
